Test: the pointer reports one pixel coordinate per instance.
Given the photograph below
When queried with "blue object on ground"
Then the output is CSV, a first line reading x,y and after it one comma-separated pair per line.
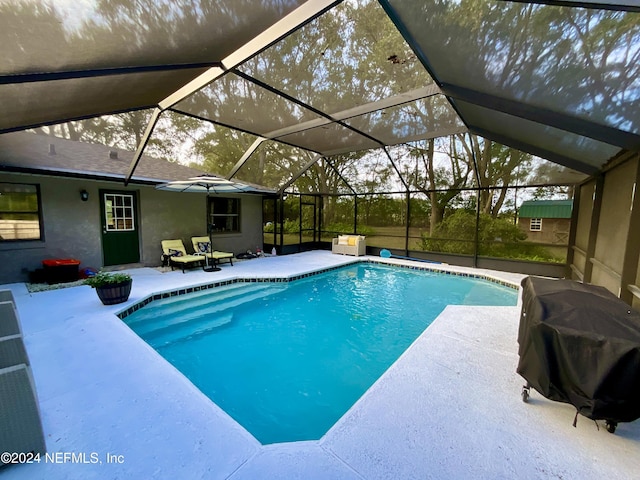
x,y
384,253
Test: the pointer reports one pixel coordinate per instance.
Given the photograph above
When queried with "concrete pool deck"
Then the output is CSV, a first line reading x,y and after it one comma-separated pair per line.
x,y
450,407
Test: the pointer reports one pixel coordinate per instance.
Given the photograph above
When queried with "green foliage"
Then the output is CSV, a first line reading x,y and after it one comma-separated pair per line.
x,y
102,279
290,226
293,226
497,237
344,228
419,212
381,210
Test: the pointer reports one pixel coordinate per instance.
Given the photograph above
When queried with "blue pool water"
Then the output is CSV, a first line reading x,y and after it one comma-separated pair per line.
x,y
287,360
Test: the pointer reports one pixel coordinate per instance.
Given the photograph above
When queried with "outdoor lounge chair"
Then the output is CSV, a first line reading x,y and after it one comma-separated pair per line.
x,y
175,253
12,351
202,246
20,424
6,296
9,323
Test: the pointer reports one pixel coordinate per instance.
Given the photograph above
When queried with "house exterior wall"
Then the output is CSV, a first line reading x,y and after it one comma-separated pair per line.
x,y
583,229
607,244
613,227
635,298
73,228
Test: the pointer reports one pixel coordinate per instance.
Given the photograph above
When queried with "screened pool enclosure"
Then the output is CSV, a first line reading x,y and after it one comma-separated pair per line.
x,y
423,125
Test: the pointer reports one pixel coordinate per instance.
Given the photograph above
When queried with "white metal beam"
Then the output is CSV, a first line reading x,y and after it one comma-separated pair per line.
x,y
301,15
245,157
143,143
271,35
300,172
389,102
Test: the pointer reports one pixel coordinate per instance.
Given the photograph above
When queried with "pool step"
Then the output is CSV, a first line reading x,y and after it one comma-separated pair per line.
x,y
193,329
170,313
182,304
186,321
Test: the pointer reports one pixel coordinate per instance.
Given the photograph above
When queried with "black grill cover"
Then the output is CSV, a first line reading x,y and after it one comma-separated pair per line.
x,y
580,344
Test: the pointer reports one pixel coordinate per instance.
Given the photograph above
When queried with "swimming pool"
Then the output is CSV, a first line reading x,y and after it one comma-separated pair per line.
x,y
288,359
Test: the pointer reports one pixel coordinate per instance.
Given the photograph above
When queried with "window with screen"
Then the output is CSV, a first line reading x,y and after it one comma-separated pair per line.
x,y
19,212
224,215
535,224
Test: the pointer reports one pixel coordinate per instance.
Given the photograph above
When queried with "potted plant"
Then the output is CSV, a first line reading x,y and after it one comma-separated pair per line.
x,y
111,287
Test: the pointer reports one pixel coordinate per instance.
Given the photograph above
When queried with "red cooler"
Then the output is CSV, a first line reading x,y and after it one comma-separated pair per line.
x,y
60,270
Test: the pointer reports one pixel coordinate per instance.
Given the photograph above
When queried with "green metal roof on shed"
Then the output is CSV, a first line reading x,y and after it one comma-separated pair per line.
x,y
546,209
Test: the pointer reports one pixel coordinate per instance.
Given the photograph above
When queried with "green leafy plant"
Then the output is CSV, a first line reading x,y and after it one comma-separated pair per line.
x,y
103,279
497,237
347,228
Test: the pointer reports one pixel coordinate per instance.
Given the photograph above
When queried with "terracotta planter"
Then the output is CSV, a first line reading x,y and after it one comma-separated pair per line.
x,y
115,293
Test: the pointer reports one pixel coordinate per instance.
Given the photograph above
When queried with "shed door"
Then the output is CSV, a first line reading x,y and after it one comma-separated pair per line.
x,y
120,243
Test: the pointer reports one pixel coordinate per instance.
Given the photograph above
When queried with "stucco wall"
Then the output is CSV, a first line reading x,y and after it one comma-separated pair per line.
x,y
636,298
584,215
614,225
72,228
606,248
170,215
583,229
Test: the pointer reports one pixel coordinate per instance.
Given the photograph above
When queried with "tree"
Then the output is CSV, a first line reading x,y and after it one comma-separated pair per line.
x,y
442,168
496,167
440,179
326,176
497,237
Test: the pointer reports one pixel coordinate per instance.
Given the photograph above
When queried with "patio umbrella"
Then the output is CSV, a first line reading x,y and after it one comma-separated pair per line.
x,y
210,184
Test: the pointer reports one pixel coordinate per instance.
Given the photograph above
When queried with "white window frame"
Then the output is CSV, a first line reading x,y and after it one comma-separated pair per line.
x,y
119,218
535,224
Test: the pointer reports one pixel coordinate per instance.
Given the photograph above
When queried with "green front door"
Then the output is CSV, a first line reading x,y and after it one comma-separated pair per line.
x,y
120,244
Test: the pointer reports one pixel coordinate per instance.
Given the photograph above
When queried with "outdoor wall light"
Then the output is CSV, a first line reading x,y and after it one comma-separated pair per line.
x,y
84,195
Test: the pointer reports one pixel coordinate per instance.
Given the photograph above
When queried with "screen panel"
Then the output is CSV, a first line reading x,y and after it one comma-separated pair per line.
x,y
37,103
237,102
435,164
272,164
326,176
58,35
330,139
584,150
578,61
424,118
370,171
352,55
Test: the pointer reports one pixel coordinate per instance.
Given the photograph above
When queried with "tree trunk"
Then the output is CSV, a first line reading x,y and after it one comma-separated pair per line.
x,y
437,213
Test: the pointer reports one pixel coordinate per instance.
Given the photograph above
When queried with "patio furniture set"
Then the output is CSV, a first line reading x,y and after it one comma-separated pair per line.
x,y
175,254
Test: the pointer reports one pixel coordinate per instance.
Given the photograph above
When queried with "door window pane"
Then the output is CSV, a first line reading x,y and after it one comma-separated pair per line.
x,y
118,210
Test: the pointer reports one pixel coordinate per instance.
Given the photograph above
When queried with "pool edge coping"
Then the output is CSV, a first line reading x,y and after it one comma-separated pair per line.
x,y
125,312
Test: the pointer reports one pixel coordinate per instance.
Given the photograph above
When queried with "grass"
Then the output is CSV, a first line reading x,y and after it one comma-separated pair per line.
x,y
394,238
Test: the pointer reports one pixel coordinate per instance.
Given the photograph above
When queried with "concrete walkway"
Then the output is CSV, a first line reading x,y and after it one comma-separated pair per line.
x,y
450,407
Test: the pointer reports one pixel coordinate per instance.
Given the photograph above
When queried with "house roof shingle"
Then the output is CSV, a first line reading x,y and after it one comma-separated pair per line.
x,y
33,152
